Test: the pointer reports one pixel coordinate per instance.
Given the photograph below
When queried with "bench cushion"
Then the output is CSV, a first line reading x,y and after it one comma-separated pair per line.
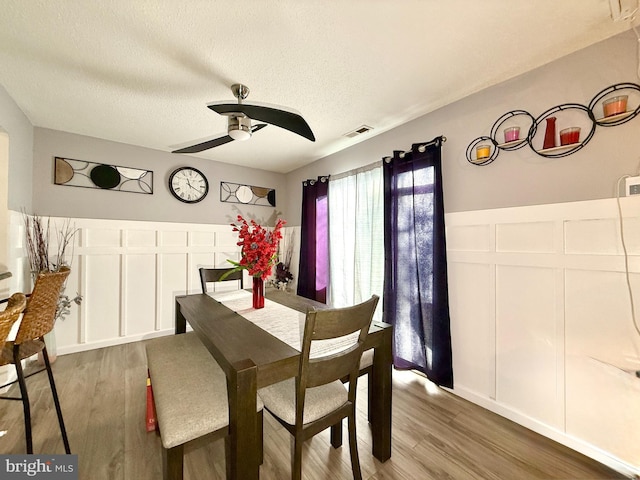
x,y
189,389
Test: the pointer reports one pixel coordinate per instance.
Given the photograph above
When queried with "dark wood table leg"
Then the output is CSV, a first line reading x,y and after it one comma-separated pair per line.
x,y
243,455
380,412
181,322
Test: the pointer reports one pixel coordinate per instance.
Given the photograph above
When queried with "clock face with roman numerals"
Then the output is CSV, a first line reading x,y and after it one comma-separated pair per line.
x,y
189,185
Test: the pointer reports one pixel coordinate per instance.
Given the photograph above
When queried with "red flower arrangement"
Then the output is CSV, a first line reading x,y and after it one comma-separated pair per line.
x,y
259,247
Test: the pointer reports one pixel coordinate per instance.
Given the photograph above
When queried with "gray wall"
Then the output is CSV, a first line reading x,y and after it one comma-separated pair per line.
x,y
15,123
519,177
66,201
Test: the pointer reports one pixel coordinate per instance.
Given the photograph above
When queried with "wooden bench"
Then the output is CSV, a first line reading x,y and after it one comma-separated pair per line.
x,y
190,396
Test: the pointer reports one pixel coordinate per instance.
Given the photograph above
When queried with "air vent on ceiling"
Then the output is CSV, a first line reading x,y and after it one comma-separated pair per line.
x,y
358,131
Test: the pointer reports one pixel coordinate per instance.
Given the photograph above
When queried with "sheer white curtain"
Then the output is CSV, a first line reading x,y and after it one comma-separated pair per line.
x,y
356,236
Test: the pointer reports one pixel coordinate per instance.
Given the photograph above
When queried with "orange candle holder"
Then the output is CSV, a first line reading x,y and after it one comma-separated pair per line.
x,y
615,105
483,152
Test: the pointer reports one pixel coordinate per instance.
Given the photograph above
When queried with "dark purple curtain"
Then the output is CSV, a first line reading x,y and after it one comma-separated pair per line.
x,y
313,273
416,300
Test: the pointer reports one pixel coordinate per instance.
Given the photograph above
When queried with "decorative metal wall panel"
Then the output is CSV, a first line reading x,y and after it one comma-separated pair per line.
x,y
247,194
80,173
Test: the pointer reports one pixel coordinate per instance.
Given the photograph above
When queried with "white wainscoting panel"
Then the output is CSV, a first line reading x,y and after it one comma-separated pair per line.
x,y
548,283
139,294
202,239
140,238
101,306
592,237
172,281
602,357
536,237
101,237
470,237
227,238
196,260
129,274
170,238
474,339
527,342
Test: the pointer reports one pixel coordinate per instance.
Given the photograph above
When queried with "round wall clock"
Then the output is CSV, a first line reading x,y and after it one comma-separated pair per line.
x,y
188,184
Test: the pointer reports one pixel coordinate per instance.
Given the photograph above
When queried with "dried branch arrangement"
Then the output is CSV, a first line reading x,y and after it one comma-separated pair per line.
x,y
37,232
65,235
37,237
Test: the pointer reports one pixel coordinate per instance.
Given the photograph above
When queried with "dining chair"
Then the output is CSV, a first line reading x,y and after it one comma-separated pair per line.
x,y
317,399
366,368
213,275
37,321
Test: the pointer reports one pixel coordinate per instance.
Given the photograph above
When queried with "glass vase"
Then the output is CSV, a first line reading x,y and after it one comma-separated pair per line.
x,y
550,134
258,292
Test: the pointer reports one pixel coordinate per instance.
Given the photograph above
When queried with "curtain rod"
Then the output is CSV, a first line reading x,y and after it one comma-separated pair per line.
x,y
421,147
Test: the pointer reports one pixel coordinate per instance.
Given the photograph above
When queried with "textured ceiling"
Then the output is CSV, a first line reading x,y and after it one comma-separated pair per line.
x,y
142,71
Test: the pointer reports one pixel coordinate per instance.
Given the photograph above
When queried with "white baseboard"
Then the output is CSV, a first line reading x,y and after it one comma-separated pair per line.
x,y
83,347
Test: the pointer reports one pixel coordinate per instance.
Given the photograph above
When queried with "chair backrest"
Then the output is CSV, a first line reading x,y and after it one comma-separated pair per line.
x,y
15,306
214,274
40,314
332,345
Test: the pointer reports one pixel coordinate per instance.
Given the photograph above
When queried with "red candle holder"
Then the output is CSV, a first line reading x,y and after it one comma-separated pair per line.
x,y
569,136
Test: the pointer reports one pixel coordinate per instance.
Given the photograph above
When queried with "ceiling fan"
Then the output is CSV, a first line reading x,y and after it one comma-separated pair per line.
x,y
240,116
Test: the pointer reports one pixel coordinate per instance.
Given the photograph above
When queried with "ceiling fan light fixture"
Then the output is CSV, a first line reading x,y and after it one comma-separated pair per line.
x,y
239,134
239,128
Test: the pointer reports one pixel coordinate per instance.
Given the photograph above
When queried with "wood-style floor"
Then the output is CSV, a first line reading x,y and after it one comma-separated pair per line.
x,y
436,435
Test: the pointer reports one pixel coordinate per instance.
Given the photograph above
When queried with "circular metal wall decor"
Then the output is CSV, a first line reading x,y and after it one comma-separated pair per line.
x,y
607,109
482,151
513,139
563,149
614,106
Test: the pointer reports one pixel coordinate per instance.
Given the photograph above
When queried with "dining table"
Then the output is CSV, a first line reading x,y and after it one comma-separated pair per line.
x,y
256,348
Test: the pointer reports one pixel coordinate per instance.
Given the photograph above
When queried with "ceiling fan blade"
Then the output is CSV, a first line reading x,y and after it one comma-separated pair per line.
x,y
288,120
257,127
216,142
200,147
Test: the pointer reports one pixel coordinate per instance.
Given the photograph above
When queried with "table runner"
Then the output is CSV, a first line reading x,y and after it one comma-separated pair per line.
x,y
280,321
